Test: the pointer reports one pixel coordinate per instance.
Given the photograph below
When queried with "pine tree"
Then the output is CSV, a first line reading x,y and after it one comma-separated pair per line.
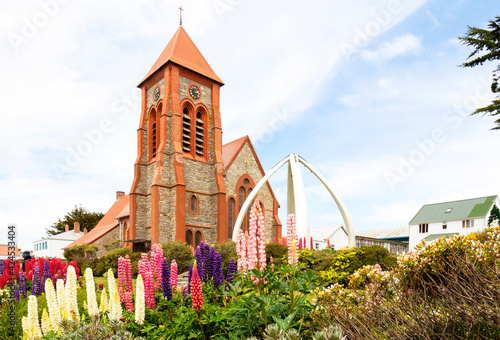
x,y
494,215
87,219
487,48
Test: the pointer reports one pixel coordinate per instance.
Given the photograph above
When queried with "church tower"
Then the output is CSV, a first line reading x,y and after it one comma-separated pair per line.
x,y
178,191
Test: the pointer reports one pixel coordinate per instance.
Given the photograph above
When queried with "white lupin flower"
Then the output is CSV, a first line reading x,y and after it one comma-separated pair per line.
x,y
115,307
140,300
111,284
71,297
91,297
61,298
46,327
53,305
34,331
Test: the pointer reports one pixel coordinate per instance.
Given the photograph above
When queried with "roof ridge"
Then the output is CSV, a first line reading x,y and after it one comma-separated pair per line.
x,y
465,199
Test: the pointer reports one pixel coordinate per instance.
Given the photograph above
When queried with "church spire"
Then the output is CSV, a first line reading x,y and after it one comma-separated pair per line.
x,y
180,15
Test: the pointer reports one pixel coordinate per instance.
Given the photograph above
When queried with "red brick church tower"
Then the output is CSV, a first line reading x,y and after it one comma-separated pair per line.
x,y
180,176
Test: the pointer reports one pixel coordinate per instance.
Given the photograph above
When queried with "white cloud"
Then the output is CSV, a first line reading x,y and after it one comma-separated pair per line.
x,y
403,45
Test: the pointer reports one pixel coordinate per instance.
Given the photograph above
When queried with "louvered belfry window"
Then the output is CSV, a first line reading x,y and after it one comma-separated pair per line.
x,y
200,135
186,131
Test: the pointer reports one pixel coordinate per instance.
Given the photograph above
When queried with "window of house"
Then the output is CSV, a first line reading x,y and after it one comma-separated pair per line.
x,y
423,228
186,131
230,218
243,192
445,225
468,224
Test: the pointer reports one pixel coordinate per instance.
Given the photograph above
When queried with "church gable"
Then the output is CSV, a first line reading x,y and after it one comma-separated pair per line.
x,y
243,172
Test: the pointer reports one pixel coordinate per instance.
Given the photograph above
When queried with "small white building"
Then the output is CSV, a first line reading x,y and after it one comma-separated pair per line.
x,y
337,235
52,246
438,220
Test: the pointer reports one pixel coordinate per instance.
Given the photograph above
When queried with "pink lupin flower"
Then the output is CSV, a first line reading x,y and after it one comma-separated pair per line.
x,y
173,276
291,237
241,251
125,288
147,274
156,260
196,290
261,230
311,243
272,264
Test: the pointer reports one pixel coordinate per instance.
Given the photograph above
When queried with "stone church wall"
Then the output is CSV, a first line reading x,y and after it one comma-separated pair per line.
x,y
245,163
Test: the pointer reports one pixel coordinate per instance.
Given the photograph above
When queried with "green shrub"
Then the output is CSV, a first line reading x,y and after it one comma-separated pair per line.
x,y
83,254
316,260
110,260
277,251
346,261
181,252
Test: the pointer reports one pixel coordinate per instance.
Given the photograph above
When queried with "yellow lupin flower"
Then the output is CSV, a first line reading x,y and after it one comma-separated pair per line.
x,y
104,306
46,328
25,325
61,298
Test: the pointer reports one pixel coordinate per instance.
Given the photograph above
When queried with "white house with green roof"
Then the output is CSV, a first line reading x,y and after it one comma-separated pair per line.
x,y
451,218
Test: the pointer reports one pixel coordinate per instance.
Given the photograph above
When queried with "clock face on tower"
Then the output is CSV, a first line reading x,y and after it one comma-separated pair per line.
x,y
194,92
156,93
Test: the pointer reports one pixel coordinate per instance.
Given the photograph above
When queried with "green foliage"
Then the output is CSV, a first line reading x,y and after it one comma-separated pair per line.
x,y
494,215
346,261
93,329
110,260
227,251
447,290
87,219
181,252
112,245
277,251
486,44
316,260
83,254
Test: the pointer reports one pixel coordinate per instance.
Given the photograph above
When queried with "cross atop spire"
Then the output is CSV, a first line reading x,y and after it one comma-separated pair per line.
x,y
180,12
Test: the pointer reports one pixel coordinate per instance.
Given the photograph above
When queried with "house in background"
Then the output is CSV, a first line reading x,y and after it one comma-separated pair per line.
x,y
112,226
438,220
53,246
394,240
4,252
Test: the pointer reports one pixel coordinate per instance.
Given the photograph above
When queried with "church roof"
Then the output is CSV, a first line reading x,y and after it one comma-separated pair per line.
x,y
181,50
106,224
232,149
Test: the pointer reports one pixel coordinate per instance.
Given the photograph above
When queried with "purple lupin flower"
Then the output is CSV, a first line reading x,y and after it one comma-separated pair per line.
x,y
16,292
165,280
22,284
199,256
206,263
210,264
2,267
46,270
184,292
190,275
218,278
35,284
231,270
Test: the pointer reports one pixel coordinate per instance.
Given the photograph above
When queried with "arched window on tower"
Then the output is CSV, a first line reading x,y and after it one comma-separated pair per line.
x,y
152,134
189,237
193,204
230,218
200,135
197,238
186,131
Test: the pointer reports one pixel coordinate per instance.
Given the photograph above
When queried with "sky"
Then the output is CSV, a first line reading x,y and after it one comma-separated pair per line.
x,y
368,92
